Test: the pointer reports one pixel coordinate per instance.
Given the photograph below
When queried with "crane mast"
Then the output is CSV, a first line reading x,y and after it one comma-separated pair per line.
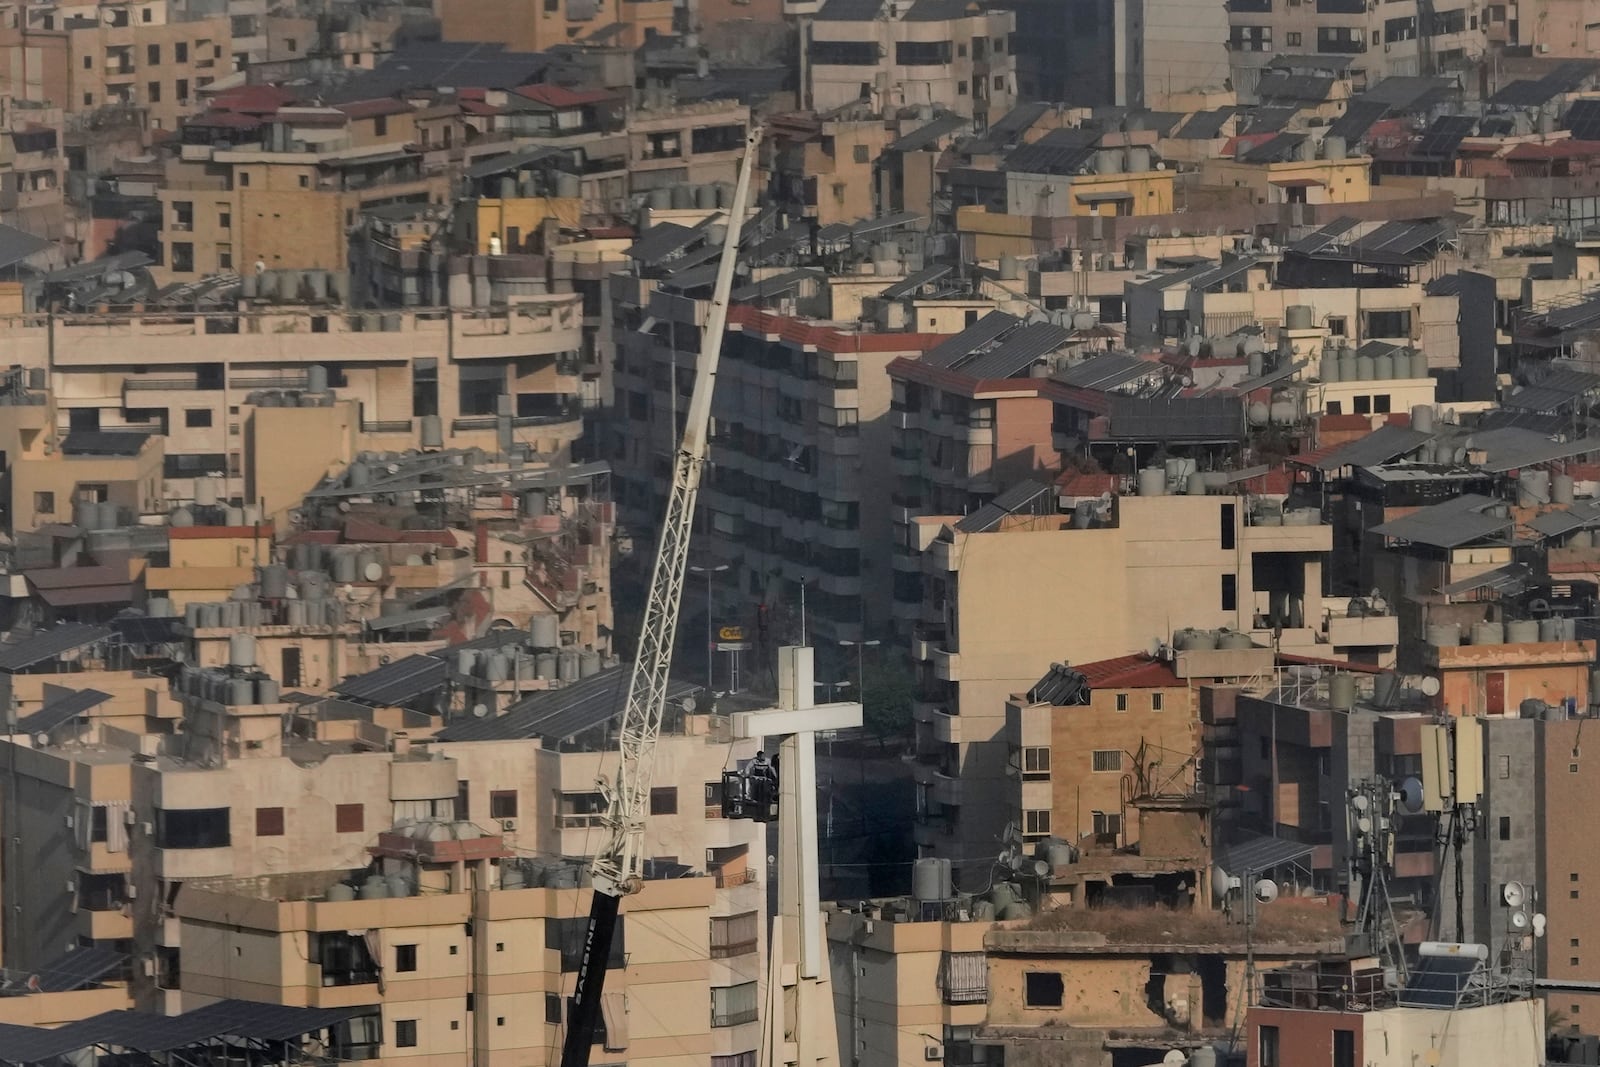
x,y
616,869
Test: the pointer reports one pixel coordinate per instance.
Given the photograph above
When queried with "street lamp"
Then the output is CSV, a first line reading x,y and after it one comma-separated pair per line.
x,y
711,646
860,647
831,686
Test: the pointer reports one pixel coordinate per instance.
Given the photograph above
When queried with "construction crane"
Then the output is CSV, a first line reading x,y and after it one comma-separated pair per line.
x,y
616,869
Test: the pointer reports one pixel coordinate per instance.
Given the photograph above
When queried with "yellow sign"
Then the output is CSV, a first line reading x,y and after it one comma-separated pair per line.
x,y
730,633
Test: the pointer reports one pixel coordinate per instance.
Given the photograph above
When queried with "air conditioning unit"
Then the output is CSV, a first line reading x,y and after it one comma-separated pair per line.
x,y
933,1052
508,826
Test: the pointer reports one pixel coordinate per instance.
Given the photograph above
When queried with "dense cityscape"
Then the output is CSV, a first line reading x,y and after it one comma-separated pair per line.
x,y
799,533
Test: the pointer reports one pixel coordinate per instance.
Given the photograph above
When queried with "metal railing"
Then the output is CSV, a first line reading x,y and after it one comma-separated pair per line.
x,y
386,426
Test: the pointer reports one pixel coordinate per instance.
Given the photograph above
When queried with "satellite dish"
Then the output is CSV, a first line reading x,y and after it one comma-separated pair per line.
x,y
1041,868
1519,920
1411,795
1174,1058
1364,825
1266,890
1358,802
1515,894
1222,883
479,710
1429,685
1539,924
688,705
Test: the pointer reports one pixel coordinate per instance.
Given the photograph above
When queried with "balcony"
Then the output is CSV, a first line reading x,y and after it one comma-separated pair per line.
x,y
947,727
945,555
386,426
564,413
1380,631
728,878
946,665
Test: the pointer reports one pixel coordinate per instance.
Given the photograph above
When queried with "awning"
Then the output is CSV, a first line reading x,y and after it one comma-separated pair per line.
x,y
1104,196
1295,183
405,620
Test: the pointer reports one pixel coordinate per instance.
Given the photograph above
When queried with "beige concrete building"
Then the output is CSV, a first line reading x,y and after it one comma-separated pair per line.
x,y
404,372
926,53
1007,595
535,25
159,65
213,853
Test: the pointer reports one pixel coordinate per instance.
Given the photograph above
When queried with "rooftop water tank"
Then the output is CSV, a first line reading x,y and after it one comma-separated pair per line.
x,y
1299,317
1152,481
1342,691
1522,632
544,631
1488,633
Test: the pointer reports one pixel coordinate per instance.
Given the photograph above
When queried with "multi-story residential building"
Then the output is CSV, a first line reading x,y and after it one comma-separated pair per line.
x,y
823,168
1002,593
896,54
155,846
1372,43
533,25
1099,53
144,373
159,65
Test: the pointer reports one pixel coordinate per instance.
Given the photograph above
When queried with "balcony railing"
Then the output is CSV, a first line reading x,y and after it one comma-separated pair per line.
x,y
386,426
159,385
728,878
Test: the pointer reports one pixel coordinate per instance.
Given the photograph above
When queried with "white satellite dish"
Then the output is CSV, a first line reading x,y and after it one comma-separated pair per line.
x,y
1429,686
1364,825
1411,795
1174,1058
1222,883
1539,924
1266,890
479,710
1519,920
1515,894
1358,802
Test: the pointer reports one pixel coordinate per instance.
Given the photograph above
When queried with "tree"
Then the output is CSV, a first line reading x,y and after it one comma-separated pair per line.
x,y
887,690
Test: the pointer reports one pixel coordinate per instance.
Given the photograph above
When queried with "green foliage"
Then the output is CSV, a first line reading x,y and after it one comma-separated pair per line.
x,y
887,690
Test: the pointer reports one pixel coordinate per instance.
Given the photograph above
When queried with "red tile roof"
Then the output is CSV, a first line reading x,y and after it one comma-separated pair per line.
x,y
253,99
1082,483
1129,672
561,96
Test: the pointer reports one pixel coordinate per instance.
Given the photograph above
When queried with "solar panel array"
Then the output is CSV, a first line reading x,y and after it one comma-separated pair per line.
x,y
1438,981
1583,119
1441,139
61,710
78,968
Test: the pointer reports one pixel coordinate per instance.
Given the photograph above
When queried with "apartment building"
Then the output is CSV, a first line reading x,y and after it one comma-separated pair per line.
x,y
160,65
1006,593
536,25
459,371
1406,38
686,145
892,54
825,168
151,851
1093,53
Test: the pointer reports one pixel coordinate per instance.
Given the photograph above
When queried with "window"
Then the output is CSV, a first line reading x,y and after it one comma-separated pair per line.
x,y
1155,701
180,88
1267,1047
1042,989
244,175
380,124
44,503
349,818
714,796
225,257
1293,39
664,800
1505,828
152,93
921,53
1122,701
305,181
1363,405
734,1004
269,822
183,257
97,823
405,1033
152,55
1230,592
225,220
1335,407
1344,1048
738,1059
193,828
405,957
734,935
290,44
1107,759
1227,520
1380,403
1503,764
180,52
1035,764
1036,821
502,804
197,418
860,154
1107,826
567,936
88,64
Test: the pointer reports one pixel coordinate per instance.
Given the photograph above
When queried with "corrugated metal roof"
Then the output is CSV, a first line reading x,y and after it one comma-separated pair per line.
x,y
1557,388
407,620
1280,149
75,969
1322,238
1511,447
1178,418
17,245
1448,525
1511,578
397,682
660,241
1061,686
1206,125
1108,371
1057,152
509,162
61,709
777,284
915,281
962,345
49,644
1577,517
1283,373
1019,351
1027,497
928,135
1379,446
1359,116
1257,853
558,714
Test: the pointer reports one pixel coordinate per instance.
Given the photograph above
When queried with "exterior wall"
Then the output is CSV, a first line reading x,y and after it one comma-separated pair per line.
x,y
1569,869
1344,181
1078,790
111,64
982,88
278,478
1550,672
133,483
531,26
1147,193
